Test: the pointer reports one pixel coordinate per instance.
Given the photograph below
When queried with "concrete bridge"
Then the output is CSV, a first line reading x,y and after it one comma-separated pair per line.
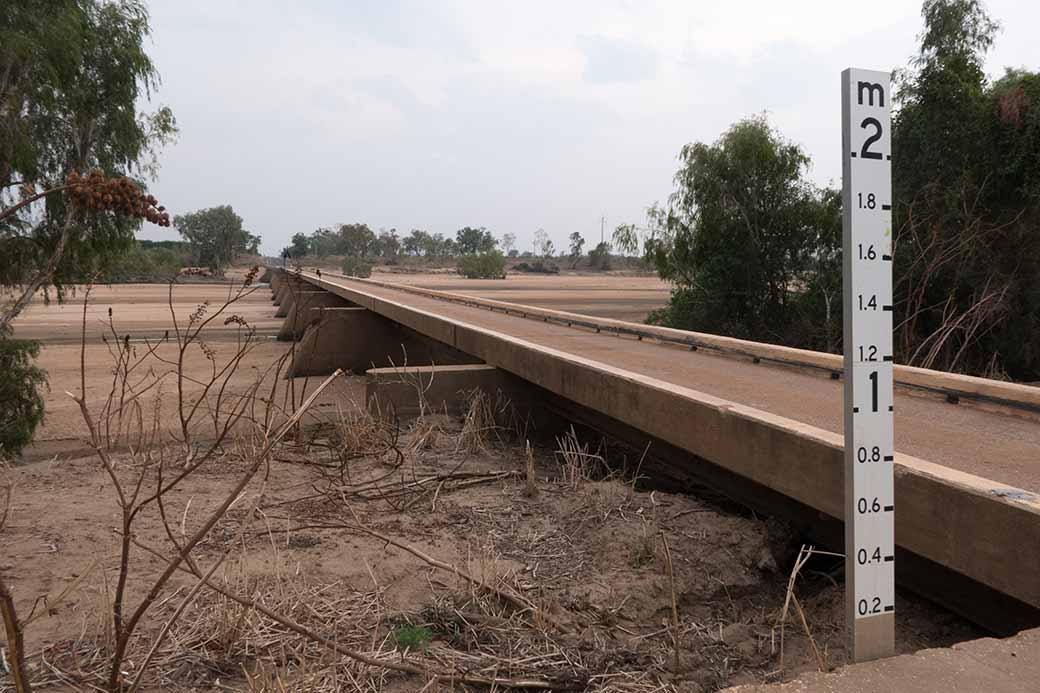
x,y
759,423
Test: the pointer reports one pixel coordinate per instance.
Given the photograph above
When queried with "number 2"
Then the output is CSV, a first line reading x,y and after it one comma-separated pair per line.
x,y
865,152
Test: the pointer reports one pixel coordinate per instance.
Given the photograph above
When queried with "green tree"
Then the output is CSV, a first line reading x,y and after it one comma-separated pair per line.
x,y
739,235
323,242
966,188
470,240
72,73
599,257
355,240
415,243
215,236
299,245
577,243
387,245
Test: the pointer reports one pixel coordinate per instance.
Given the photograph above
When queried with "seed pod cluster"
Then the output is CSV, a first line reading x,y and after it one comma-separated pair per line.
x,y
118,195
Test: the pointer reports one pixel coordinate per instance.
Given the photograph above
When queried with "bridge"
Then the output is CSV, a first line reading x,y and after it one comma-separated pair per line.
x,y
760,423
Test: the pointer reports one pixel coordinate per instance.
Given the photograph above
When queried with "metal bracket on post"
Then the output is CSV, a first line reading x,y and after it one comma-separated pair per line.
x,y
869,440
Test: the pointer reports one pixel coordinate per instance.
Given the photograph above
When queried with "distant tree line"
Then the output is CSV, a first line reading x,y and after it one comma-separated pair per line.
x,y
360,241
753,248
361,247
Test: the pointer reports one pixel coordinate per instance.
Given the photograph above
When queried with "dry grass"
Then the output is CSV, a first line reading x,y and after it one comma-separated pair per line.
x,y
578,464
479,424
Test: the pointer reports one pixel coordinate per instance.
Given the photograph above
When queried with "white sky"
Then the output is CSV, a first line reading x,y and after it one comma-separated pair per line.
x,y
510,115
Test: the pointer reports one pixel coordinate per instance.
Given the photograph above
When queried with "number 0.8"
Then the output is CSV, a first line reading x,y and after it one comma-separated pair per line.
x,y
873,455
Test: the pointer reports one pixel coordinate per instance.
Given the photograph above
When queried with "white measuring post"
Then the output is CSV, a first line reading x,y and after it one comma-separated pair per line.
x,y
867,312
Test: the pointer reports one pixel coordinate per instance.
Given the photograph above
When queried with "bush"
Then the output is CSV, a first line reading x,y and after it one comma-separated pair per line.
x,y
356,267
489,265
599,257
537,267
144,263
21,381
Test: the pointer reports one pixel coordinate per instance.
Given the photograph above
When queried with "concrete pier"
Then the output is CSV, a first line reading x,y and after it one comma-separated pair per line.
x,y
356,339
301,311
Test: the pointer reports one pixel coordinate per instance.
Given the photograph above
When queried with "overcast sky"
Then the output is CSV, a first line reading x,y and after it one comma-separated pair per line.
x,y
511,115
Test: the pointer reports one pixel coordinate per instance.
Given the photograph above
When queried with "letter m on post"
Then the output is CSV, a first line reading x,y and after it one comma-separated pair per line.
x,y
871,88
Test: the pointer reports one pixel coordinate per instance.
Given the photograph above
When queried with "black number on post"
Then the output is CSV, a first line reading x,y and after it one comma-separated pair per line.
x,y
873,455
873,390
865,506
864,608
868,254
865,152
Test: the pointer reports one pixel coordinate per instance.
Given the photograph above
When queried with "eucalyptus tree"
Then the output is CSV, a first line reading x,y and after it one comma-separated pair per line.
x,y
72,76
215,236
739,235
577,244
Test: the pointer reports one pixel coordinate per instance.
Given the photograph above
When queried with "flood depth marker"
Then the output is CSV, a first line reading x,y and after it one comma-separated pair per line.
x,y
869,443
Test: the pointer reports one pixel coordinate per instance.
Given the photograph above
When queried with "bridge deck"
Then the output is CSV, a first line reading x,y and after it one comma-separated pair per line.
x,y
990,441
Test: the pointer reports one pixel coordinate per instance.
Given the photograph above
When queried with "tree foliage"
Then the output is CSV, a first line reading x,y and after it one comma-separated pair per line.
x,y
299,245
20,383
486,265
599,257
215,236
741,235
72,73
470,240
577,244
966,184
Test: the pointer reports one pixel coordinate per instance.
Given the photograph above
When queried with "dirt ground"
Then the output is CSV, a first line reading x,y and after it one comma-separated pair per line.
x,y
588,555
587,584
146,313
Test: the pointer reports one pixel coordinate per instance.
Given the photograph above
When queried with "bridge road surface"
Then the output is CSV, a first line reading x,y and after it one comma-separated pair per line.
x,y
990,441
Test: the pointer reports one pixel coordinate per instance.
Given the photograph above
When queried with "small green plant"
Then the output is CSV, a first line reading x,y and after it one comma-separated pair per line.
x,y
489,265
411,638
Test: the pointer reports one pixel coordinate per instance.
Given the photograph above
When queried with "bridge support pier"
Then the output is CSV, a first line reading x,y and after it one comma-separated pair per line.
x,y
290,291
277,282
356,339
300,309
